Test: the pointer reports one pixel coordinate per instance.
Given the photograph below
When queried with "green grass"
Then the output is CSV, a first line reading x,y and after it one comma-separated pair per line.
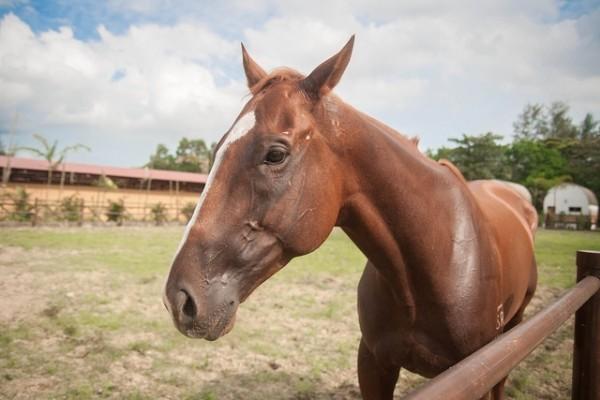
x,y
555,254
139,251
91,324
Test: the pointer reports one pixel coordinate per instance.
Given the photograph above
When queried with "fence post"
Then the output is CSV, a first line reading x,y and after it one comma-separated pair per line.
x,y
586,349
81,211
35,213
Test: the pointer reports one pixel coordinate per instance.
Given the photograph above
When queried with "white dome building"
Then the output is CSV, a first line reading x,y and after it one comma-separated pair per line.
x,y
571,200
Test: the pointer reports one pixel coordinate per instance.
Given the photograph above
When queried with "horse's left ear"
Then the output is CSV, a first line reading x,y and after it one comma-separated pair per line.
x,y
254,73
324,78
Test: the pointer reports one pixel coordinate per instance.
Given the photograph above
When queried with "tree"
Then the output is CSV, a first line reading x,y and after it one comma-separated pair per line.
x,y
579,145
6,170
539,186
560,125
537,122
192,155
441,153
548,149
588,128
538,166
477,157
534,158
53,155
161,159
531,123
9,151
550,146
584,161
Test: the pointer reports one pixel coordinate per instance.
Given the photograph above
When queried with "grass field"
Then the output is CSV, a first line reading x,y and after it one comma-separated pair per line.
x,y
81,317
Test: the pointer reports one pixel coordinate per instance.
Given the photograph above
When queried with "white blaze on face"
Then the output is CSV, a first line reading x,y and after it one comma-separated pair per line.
x,y
238,131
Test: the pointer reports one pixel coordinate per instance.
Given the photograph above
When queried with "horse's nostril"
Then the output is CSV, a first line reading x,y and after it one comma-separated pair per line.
x,y
189,307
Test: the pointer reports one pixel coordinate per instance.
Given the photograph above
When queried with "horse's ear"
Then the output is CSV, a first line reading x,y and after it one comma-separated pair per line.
x,y
324,78
254,73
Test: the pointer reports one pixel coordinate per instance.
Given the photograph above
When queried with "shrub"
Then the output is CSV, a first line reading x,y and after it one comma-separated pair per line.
x,y
188,210
70,208
159,213
22,211
583,222
116,211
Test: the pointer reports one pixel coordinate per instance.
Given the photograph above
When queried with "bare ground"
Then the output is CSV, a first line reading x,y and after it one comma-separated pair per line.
x,y
71,332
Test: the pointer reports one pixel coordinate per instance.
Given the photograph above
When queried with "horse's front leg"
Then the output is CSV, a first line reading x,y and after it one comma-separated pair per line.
x,y
376,381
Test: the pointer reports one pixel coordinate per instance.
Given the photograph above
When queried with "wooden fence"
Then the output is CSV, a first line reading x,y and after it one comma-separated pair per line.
x,y
40,212
477,374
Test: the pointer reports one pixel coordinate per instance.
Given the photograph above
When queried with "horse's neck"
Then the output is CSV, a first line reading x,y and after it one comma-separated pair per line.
x,y
403,210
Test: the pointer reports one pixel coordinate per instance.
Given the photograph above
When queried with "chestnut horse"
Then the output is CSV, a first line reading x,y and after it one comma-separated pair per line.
x,y
450,263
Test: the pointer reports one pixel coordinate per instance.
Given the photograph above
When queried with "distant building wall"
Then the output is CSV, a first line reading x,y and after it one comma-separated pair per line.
x,y
137,202
569,199
93,186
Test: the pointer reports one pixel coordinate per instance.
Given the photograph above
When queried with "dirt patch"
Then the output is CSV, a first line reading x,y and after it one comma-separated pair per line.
x,y
18,286
69,330
30,291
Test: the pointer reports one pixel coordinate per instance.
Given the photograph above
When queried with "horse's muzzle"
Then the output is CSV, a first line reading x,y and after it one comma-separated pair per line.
x,y
209,315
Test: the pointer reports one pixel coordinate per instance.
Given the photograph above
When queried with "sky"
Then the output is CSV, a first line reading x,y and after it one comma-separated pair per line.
x,y
122,76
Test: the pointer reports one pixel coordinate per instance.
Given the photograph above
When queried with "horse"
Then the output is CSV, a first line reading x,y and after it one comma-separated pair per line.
x,y
450,263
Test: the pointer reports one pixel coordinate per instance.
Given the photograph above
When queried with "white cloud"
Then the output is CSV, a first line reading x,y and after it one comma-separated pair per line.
x,y
436,69
415,61
165,84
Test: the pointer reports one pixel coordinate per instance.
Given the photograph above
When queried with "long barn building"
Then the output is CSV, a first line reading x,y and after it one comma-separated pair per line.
x,y
140,189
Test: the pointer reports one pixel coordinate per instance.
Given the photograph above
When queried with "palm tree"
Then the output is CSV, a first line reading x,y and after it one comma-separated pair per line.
x,y
9,151
54,156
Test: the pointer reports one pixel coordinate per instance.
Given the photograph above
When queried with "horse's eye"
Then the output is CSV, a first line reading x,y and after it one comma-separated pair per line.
x,y
275,156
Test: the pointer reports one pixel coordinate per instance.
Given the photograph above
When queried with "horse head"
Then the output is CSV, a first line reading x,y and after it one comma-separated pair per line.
x,y
274,192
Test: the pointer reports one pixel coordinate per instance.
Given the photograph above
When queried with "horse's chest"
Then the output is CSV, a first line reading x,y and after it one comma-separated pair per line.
x,y
419,354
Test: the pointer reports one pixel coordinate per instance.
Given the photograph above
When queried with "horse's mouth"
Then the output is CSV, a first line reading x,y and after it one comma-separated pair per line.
x,y
221,326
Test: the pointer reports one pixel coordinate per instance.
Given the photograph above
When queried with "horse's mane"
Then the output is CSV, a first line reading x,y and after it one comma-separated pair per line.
x,y
277,75
411,142
448,164
282,74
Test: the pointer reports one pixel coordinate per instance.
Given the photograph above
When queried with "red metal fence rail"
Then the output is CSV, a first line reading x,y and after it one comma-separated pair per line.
x,y
474,376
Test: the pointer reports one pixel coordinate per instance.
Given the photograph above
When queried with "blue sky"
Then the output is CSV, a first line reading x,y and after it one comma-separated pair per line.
x,y
122,76
85,16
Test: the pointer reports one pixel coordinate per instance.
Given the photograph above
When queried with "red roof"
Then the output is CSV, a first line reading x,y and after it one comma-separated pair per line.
x,y
140,173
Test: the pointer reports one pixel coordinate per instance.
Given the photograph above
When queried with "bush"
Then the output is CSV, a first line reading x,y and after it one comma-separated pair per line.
x,y
188,210
159,213
70,208
22,211
584,222
116,211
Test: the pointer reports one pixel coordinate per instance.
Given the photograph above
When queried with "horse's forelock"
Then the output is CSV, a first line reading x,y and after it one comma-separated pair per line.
x,y
277,75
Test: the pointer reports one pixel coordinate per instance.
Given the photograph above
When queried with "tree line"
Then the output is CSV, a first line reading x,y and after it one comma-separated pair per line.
x,y
548,148
191,155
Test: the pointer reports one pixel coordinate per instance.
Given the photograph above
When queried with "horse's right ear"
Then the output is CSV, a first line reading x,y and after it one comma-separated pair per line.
x,y
254,73
324,78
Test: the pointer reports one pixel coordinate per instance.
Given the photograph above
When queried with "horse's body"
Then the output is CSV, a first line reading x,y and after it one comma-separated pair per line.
x,y
451,263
